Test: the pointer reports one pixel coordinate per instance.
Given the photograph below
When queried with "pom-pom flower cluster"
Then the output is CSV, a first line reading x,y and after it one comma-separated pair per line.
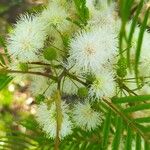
x,y
57,49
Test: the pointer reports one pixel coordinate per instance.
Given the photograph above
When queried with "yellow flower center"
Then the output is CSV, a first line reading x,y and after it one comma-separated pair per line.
x,y
87,112
89,50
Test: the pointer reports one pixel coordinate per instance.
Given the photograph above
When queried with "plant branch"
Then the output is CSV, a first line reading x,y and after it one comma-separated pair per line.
x,y
45,64
123,86
30,72
77,79
59,118
126,118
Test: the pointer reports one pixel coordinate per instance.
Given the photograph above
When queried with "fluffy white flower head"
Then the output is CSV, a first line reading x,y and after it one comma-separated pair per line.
x,y
85,117
47,120
27,38
103,85
55,15
90,50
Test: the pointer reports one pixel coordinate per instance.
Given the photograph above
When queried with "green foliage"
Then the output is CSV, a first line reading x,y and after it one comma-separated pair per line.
x,y
122,67
24,67
50,54
139,44
83,92
131,99
5,97
114,124
4,80
137,108
133,25
118,134
39,98
129,138
2,44
142,120
125,9
82,11
138,142
106,129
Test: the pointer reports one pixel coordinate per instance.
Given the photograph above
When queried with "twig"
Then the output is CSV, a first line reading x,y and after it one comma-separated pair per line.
x,y
30,72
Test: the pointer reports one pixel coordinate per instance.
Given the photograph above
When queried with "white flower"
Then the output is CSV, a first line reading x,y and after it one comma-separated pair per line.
x,y
85,117
104,5
105,18
27,38
94,5
55,15
46,118
90,50
106,15
103,85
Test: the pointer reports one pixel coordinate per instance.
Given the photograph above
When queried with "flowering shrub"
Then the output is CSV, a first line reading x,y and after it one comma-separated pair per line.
x,y
88,63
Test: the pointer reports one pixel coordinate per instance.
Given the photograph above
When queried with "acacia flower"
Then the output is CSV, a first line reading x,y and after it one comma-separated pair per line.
x,y
85,117
90,50
27,38
46,118
55,15
103,85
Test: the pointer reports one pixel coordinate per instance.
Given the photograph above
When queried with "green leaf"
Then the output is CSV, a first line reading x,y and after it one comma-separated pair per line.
x,y
2,59
138,142
125,7
50,54
132,29
118,134
24,67
139,43
137,108
4,80
143,120
39,98
3,8
82,11
146,146
145,129
131,99
83,92
3,44
128,144
106,129
6,97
